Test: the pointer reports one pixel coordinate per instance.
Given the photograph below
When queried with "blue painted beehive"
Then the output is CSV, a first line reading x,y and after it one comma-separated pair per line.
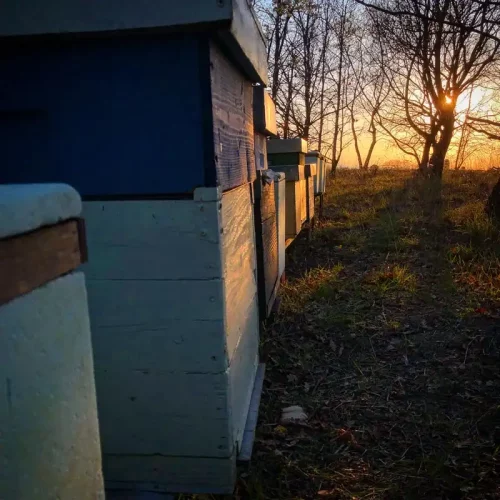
x,y
147,111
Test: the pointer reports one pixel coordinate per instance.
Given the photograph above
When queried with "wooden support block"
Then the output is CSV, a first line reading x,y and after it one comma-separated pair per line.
x,y
30,260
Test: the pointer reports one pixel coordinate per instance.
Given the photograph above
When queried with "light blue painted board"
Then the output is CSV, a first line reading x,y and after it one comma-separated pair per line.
x,y
146,412
171,474
154,239
152,303
178,345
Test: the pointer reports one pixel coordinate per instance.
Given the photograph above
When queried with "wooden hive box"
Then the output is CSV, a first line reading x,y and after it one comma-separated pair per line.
x,y
266,229
48,414
154,126
320,177
295,199
280,150
280,200
266,232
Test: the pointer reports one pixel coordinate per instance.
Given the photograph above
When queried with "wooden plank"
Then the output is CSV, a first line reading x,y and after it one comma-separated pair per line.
x,y
170,474
264,194
154,239
239,265
183,344
137,495
310,198
270,254
149,412
240,300
30,260
293,200
242,374
250,47
280,191
232,108
30,17
245,453
303,202
260,151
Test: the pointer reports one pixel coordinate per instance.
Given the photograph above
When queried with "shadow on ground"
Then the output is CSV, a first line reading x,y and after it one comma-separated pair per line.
x,y
388,338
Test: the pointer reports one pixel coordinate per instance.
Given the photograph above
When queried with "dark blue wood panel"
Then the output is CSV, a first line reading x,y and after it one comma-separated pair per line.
x,y
110,117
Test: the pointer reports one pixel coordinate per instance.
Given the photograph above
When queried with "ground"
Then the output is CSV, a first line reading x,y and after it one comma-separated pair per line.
x,y
388,338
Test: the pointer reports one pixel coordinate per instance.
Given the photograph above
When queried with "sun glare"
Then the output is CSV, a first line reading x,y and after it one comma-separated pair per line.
x,y
448,100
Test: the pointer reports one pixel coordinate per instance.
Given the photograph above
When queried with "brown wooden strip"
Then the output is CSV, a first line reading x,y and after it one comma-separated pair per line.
x,y
30,260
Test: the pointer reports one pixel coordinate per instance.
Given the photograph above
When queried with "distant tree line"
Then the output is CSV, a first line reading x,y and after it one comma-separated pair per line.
x,y
350,72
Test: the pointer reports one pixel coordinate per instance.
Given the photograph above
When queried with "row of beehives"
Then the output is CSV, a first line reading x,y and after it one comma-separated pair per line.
x,y
155,127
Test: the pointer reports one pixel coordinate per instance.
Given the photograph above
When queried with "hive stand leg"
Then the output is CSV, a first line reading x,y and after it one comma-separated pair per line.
x,y
321,206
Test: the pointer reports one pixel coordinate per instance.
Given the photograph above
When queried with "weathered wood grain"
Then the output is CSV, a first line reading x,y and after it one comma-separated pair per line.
x,y
165,412
293,212
260,151
182,344
239,265
232,109
279,192
264,112
270,242
153,239
303,202
30,260
310,198
170,474
240,300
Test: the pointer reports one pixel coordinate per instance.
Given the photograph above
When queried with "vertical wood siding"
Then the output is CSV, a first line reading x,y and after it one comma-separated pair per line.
x,y
240,293
232,105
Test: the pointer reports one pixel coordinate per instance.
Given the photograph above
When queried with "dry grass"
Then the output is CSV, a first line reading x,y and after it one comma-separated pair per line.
x,y
388,338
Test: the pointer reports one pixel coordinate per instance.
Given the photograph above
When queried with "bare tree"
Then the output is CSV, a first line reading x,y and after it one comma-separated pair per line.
x,y
435,51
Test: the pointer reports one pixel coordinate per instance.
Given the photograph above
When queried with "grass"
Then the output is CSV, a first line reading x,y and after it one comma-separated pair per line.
x,y
388,337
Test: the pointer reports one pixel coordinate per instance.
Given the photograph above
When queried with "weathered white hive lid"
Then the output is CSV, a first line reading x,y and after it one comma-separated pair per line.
x,y
264,112
314,154
286,146
26,207
234,22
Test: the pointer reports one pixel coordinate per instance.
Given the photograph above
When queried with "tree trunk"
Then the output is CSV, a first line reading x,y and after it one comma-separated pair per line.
x,y
493,204
424,161
440,148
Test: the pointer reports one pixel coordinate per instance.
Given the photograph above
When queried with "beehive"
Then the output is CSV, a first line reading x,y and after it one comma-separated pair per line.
x,y
154,126
266,233
296,184
320,177
295,199
48,415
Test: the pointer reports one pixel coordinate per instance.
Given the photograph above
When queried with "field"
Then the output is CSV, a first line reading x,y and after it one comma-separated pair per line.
x,y
388,337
